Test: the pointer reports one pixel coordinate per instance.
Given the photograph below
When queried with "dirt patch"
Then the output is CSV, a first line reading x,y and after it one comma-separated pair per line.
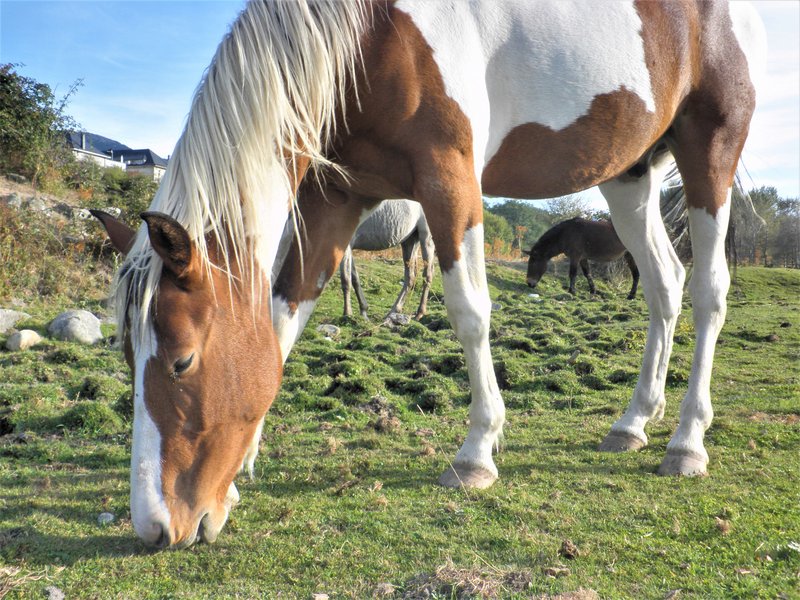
x,y
786,419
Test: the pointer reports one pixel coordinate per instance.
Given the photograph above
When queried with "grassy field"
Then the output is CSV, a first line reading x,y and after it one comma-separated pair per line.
x,y
345,502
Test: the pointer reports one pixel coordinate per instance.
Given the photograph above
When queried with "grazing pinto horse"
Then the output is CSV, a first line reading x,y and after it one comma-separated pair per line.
x,y
581,240
324,108
393,222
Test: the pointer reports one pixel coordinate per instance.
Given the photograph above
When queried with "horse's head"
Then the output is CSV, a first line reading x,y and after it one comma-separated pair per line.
x,y
206,367
537,265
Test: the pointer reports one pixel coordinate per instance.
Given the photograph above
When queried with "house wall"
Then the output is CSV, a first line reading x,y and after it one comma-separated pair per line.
x,y
150,171
99,159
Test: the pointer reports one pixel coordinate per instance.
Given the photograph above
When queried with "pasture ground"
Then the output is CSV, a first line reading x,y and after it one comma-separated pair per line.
x,y
345,501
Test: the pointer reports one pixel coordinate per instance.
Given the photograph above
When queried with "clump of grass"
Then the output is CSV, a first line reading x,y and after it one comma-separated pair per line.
x,y
92,418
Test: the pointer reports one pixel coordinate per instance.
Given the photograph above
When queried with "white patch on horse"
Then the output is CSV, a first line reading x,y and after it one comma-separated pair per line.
x,y
563,59
149,512
752,38
469,309
289,324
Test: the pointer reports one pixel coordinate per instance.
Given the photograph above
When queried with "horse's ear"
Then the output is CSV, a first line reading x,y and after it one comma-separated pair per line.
x,y
526,252
171,242
120,235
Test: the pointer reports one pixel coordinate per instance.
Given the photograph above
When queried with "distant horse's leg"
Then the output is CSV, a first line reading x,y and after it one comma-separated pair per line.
x,y
345,271
451,199
426,241
588,274
634,273
573,274
362,299
409,246
330,217
634,205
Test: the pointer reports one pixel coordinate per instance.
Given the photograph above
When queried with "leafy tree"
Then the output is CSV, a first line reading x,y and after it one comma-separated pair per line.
x,y
518,213
496,231
33,122
567,207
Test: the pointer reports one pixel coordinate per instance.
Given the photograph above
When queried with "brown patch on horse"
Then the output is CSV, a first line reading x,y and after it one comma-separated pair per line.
x,y
421,147
205,441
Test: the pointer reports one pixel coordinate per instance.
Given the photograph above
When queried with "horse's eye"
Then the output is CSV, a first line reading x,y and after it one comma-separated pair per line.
x,y
182,364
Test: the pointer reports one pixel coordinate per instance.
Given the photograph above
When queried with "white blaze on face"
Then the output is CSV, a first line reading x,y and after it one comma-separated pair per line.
x,y
528,61
149,513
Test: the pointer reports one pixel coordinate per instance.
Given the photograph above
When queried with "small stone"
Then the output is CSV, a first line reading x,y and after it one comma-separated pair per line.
x,y
786,324
319,596
53,593
328,330
23,340
105,518
773,338
12,201
396,318
76,326
497,306
9,318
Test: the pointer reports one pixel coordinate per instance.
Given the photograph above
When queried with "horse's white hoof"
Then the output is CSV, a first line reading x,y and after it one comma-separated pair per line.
x,y
463,475
620,441
683,462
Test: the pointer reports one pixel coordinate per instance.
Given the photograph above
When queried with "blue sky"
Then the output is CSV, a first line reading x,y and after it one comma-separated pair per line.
x,y
141,61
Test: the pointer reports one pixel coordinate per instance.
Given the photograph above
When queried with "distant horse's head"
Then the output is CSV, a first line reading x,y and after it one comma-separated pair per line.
x,y
537,265
206,367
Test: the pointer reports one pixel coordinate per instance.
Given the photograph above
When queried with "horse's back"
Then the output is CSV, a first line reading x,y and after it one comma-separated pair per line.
x,y
538,80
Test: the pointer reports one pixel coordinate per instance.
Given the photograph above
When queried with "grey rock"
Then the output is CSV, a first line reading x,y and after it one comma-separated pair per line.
x,y
23,340
497,306
63,209
9,318
51,592
12,201
113,211
76,326
396,318
105,518
328,330
81,214
35,203
16,178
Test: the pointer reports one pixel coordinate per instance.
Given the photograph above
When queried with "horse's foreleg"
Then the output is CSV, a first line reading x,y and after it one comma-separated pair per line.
x,y
409,247
634,205
345,270
634,273
426,241
455,216
329,219
587,272
573,274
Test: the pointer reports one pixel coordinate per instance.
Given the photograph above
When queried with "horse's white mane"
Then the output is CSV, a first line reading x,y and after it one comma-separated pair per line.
x,y
268,96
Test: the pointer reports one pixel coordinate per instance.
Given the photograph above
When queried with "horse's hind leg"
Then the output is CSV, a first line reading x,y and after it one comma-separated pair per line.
x,y
409,247
426,241
345,275
634,273
363,307
634,205
587,272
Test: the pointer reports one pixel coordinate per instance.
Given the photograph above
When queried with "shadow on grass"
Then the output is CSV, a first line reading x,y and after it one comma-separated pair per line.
x,y
28,545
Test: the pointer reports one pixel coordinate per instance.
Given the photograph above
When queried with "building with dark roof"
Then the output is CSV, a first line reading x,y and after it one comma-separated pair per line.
x,y
110,153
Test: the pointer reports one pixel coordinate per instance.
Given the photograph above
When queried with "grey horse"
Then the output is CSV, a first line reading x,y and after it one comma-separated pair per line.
x,y
394,222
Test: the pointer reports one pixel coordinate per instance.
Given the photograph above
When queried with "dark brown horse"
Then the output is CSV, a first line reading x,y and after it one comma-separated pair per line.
x,y
581,240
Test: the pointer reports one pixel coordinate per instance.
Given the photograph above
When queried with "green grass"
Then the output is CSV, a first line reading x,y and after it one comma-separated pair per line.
x,y
345,499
